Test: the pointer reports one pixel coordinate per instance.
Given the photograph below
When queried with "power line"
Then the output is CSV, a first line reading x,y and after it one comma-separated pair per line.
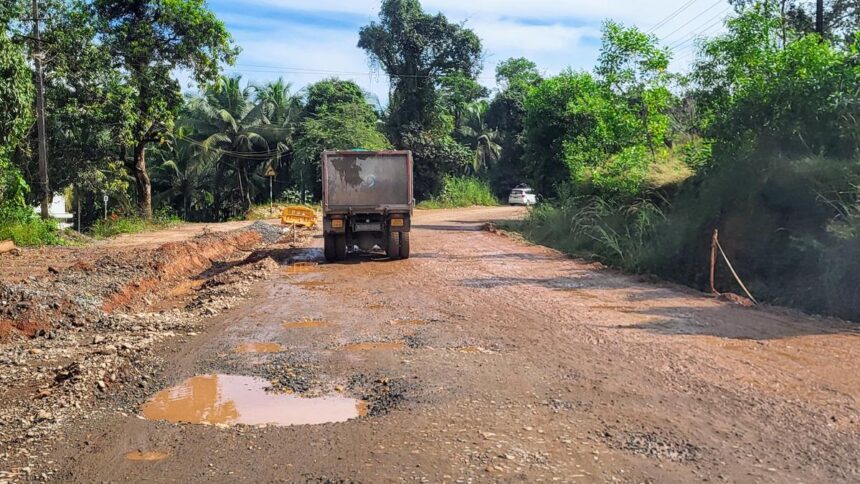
x,y
719,2
671,16
701,29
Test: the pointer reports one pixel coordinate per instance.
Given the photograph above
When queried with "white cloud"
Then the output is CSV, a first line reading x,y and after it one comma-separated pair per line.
x,y
555,34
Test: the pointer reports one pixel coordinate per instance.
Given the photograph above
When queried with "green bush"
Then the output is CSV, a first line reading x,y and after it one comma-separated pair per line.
x,y
25,228
462,192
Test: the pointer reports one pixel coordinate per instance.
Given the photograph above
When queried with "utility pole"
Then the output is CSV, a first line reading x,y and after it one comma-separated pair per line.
x,y
819,17
40,114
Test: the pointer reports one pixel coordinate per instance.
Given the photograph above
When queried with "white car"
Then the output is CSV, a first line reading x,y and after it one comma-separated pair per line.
x,y
522,196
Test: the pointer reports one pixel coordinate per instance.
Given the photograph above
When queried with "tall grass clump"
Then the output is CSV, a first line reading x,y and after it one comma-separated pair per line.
x,y
119,225
603,229
462,192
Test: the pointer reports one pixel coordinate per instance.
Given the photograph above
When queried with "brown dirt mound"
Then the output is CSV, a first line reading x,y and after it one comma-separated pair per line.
x,y
84,292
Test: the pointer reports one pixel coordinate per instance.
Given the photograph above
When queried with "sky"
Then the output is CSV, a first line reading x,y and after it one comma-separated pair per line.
x,y
305,41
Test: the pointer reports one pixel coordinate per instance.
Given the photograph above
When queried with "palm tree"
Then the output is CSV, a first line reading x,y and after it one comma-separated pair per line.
x,y
283,110
482,139
226,122
184,172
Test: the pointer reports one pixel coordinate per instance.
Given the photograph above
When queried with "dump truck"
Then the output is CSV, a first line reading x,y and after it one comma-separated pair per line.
x,y
367,202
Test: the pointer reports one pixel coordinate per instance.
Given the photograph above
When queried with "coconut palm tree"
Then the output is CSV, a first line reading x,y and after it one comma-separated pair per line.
x,y
183,174
226,122
483,140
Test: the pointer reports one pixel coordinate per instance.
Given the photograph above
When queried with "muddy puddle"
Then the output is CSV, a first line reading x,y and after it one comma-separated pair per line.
x,y
301,268
375,346
152,456
258,348
232,399
311,323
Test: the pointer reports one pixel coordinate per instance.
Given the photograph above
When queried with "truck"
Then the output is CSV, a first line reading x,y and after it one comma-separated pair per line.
x,y
367,202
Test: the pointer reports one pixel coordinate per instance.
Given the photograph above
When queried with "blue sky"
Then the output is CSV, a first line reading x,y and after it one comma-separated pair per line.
x,y
304,41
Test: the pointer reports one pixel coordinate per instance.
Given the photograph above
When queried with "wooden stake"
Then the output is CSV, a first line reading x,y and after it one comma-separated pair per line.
x,y
714,259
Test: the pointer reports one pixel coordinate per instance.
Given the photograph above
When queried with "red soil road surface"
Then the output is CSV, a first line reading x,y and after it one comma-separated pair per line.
x,y
531,366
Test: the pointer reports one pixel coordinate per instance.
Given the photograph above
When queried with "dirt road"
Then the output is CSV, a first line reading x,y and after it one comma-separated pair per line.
x,y
482,359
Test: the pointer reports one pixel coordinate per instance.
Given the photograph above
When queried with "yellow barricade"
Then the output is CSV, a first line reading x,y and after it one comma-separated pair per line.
x,y
298,215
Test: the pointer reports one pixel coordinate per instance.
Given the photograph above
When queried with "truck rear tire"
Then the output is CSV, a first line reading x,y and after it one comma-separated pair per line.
x,y
392,249
404,245
328,244
340,246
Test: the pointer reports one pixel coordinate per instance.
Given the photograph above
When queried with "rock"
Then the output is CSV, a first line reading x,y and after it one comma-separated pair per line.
x,y
44,415
102,386
98,339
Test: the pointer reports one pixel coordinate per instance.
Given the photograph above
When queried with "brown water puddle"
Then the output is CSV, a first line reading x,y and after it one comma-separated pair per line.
x,y
151,456
313,323
375,346
408,322
231,399
301,268
258,348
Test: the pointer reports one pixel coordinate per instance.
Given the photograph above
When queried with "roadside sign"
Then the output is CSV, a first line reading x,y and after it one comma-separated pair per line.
x,y
271,172
105,199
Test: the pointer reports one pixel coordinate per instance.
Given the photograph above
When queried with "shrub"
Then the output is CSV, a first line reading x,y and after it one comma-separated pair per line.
x,y
25,228
462,192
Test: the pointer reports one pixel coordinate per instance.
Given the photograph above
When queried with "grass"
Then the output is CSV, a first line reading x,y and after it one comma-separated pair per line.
x,y
612,232
462,192
114,226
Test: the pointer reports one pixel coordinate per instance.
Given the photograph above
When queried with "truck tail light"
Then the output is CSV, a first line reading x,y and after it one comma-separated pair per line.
x,y
397,222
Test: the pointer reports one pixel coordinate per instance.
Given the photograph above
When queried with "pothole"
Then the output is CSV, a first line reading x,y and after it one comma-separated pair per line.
x,y
151,456
258,348
375,346
310,323
233,399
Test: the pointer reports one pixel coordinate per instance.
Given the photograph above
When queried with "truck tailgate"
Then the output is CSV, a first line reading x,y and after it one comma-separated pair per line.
x,y
367,180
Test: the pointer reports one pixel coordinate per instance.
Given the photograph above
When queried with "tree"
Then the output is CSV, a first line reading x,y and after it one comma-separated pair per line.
x,y
416,50
632,66
337,117
458,94
483,140
226,122
149,39
16,97
505,115
283,110
517,73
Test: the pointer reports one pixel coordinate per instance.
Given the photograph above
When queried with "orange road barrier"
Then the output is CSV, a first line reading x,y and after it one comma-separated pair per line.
x,y
300,216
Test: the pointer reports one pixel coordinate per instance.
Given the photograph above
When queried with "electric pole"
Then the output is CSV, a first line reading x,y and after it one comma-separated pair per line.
x,y
40,114
819,17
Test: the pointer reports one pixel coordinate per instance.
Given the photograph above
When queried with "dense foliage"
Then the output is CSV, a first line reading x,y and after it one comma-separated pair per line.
x,y
636,165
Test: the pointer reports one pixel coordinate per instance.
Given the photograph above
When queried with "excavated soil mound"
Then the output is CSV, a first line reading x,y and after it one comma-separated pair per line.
x,y
84,292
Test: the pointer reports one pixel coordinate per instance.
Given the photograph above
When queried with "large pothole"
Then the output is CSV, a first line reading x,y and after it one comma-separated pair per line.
x,y
231,399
